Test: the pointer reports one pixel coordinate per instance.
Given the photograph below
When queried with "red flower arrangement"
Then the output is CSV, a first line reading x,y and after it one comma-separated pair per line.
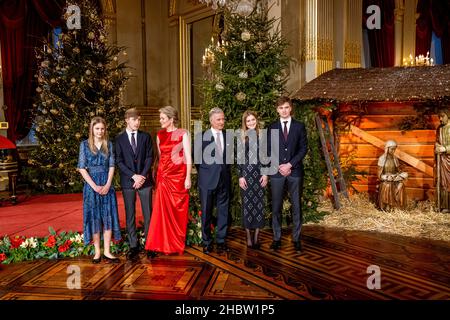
x,y
16,242
65,246
2,257
51,241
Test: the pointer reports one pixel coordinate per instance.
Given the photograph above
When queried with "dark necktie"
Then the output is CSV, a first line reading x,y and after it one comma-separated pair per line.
x,y
133,143
285,131
219,144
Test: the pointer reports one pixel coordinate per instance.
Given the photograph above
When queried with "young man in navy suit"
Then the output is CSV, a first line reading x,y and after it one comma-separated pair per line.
x,y
290,149
134,154
214,179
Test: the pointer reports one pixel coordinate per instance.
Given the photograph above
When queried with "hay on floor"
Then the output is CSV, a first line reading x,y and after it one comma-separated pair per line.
x,y
358,213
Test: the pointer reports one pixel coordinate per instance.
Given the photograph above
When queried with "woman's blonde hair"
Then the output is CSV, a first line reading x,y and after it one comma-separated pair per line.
x,y
92,146
171,113
245,115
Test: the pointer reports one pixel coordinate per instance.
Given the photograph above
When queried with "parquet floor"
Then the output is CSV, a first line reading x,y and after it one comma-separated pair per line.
x,y
333,265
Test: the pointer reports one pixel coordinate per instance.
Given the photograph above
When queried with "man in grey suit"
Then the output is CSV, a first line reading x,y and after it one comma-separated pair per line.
x,y
134,153
290,149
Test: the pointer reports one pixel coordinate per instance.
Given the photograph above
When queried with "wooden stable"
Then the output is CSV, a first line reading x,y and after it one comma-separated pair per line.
x,y
386,96
364,144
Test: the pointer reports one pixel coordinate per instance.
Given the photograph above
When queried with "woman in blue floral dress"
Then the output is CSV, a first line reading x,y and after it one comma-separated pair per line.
x,y
96,165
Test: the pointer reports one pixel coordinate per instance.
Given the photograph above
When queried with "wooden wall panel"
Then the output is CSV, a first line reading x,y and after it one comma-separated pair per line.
x,y
383,121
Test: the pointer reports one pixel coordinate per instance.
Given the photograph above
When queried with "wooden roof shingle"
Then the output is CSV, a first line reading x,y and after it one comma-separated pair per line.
x,y
379,84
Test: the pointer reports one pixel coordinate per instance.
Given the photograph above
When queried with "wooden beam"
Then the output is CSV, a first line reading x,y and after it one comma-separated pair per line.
x,y
416,163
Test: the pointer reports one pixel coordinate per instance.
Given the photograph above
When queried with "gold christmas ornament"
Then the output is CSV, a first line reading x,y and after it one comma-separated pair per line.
x,y
125,53
76,50
65,150
38,89
91,35
48,184
66,127
54,111
246,35
49,51
259,47
77,135
72,106
52,80
243,74
48,121
61,165
240,96
88,72
44,111
115,58
73,80
220,86
58,140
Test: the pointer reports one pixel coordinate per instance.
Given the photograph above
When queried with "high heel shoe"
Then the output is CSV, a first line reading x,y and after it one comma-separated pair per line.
x,y
96,260
111,260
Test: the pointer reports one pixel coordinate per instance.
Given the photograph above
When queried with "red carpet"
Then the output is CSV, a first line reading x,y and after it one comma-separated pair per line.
x,y
32,216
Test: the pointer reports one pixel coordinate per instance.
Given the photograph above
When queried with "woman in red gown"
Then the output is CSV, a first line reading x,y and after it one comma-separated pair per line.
x,y
167,231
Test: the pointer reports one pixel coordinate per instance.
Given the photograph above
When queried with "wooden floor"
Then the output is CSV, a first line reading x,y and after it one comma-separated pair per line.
x,y
333,265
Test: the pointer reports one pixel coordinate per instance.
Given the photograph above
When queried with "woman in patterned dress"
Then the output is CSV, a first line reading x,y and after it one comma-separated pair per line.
x,y
96,165
251,181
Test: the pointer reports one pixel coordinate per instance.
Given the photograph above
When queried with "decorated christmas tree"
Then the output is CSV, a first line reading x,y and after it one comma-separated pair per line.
x,y
245,68
79,76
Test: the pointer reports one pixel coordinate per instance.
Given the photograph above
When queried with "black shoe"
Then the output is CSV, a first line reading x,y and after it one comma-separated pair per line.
x,y
96,261
276,245
298,246
257,246
133,254
111,260
221,247
152,254
207,249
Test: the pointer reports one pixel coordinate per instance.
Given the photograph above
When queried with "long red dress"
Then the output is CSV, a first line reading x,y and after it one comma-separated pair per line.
x,y
167,231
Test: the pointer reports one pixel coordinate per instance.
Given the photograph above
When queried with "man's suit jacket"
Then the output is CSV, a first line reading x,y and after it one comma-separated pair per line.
x,y
293,150
130,163
209,173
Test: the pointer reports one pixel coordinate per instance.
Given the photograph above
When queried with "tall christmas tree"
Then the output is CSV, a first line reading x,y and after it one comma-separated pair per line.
x,y
79,77
245,68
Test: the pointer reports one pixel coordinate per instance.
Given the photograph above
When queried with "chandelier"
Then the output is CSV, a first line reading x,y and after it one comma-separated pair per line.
x,y
241,7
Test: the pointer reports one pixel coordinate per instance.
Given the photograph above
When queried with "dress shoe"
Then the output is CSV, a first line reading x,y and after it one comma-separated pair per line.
x,y
257,246
152,254
221,247
111,260
298,246
207,249
96,261
133,254
276,245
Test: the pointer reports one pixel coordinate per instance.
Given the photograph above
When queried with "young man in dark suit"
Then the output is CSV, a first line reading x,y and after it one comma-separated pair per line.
x,y
134,153
290,149
214,179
